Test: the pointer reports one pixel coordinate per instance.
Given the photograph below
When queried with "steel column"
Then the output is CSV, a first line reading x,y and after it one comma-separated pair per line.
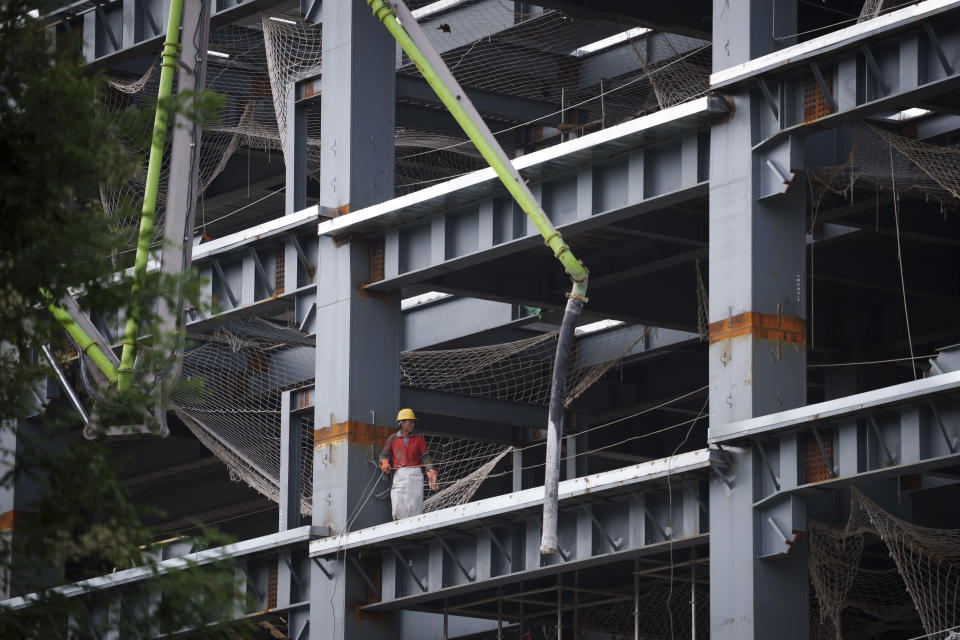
x,y
757,353
358,334
295,152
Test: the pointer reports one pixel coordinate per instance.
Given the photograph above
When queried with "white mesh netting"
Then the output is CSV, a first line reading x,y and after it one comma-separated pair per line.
x,y
536,57
248,118
234,379
293,53
892,163
870,10
911,587
531,57
518,371
231,398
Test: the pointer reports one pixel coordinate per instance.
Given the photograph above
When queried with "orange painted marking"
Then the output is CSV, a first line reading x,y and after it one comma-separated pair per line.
x,y
767,326
11,519
352,431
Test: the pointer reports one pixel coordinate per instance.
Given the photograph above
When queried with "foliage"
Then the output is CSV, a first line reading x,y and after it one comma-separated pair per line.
x,y
55,149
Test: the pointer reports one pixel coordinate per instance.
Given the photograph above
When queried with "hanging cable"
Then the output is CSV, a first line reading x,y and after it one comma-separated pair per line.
x,y
903,286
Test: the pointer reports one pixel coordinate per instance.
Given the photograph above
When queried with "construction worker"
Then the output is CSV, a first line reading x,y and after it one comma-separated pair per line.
x,y
407,451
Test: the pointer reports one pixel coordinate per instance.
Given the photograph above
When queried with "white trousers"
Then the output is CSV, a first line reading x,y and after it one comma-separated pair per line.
x,y
406,494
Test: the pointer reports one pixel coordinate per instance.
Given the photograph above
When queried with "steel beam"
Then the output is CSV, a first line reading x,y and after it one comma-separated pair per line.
x,y
488,103
880,66
408,263
941,385
298,536
862,438
515,502
604,507
139,36
484,410
586,150
835,41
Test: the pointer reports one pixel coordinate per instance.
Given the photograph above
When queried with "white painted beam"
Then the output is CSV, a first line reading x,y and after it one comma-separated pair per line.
x,y
833,41
834,408
517,501
127,576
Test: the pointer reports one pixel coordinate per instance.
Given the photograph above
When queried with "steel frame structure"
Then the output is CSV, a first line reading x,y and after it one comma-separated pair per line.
x,y
717,179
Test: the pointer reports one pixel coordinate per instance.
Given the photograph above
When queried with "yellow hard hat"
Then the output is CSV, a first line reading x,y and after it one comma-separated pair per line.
x,y
406,414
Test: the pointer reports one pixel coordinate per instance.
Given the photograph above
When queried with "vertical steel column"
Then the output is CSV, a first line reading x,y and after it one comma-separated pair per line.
x,y
757,352
290,473
358,333
295,155
571,466
636,599
289,465
520,630
182,191
693,593
19,497
517,469
576,605
8,492
559,606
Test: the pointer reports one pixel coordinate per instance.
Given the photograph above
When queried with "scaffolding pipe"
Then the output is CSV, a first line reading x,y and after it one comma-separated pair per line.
x,y
500,613
67,389
170,54
636,599
693,593
559,606
398,20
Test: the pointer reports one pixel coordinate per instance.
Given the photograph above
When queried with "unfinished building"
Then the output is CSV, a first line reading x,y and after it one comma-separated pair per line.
x,y
762,422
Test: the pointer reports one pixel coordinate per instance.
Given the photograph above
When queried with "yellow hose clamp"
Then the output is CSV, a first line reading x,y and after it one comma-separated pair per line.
x,y
562,249
577,296
549,238
381,9
170,55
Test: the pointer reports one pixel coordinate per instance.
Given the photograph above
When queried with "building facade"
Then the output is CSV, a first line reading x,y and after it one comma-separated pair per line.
x,y
762,416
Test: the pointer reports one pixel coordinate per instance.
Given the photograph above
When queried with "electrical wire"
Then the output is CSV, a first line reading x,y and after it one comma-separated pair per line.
x,y
648,434
198,228
642,76
367,492
903,286
617,420
839,23
865,362
670,509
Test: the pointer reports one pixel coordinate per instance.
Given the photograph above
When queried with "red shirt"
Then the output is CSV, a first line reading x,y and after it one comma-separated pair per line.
x,y
406,454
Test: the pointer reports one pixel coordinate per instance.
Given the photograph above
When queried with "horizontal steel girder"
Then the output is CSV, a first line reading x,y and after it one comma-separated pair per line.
x,y
674,123
835,41
604,517
114,32
899,60
133,578
238,289
893,431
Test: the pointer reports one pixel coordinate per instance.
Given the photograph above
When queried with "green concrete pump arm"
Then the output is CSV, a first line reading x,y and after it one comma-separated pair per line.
x,y
171,50
435,72
87,344
395,15
123,376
